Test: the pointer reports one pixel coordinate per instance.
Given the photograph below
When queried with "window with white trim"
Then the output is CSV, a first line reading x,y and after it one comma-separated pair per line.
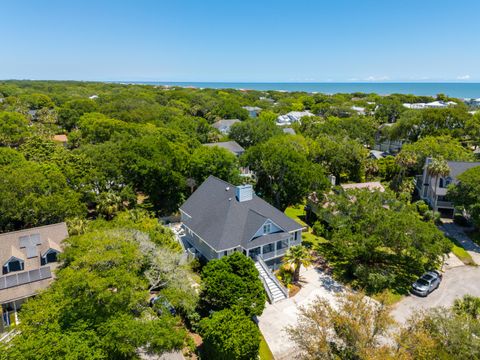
x,y
267,228
49,257
13,264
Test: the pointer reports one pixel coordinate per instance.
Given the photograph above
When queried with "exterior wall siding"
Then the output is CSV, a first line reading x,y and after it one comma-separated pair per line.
x,y
200,245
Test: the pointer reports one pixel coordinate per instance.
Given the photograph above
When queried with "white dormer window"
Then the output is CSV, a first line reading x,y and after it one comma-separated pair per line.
x,y
13,264
267,228
49,256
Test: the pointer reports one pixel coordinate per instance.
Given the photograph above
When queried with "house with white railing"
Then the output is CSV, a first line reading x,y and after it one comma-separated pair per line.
x,y
220,218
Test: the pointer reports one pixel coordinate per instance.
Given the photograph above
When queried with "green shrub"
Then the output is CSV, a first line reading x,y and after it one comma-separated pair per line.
x,y
229,335
318,229
285,275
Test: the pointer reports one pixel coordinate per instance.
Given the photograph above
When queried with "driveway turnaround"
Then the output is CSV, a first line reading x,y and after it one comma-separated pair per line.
x,y
284,313
458,233
458,281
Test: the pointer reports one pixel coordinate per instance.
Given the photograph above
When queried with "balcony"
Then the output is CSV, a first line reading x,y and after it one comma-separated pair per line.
x,y
274,254
445,205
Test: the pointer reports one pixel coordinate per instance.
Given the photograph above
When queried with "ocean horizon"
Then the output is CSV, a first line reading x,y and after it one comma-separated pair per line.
x,y
453,89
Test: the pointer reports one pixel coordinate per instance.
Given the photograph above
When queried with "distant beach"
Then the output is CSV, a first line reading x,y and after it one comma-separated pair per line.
x,y
458,90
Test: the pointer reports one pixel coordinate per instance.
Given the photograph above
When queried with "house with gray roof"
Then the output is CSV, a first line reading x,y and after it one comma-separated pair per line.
x,y
28,259
292,117
288,131
224,125
220,218
435,193
231,146
253,111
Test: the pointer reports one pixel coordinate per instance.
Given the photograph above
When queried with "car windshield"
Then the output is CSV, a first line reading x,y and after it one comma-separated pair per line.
x,y
427,277
422,282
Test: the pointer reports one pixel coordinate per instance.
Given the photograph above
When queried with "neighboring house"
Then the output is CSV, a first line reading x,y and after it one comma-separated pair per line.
x,y
377,154
61,138
253,111
372,186
475,103
289,131
28,259
292,117
359,110
316,203
231,146
220,218
384,144
431,105
224,125
264,98
236,150
435,193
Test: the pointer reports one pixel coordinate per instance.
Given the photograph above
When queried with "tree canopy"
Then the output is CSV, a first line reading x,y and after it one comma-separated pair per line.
x,y
232,282
466,194
98,305
283,170
229,334
378,242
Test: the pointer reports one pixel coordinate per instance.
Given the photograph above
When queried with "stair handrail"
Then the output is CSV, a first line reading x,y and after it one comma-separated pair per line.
x,y
267,289
272,276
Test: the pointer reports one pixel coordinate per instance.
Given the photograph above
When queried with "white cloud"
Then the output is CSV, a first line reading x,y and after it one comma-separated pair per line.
x,y
463,77
377,78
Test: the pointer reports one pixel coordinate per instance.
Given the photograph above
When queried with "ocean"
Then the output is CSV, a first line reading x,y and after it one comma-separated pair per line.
x,y
458,90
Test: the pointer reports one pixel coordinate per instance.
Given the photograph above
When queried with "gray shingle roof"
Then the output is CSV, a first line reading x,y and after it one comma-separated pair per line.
x,y
459,167
224,222
231,146
225,123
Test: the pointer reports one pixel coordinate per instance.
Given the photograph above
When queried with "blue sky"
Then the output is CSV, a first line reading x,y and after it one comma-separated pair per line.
x,y
241,40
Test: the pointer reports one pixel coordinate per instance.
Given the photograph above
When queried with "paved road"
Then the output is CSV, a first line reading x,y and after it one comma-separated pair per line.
x,y
456,282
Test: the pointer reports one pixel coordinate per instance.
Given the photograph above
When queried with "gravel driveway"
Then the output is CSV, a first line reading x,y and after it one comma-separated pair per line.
x,y
456,282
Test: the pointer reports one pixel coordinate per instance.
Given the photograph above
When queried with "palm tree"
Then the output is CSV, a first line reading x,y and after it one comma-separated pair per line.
x,y
438,167
76,226
297,256
108,204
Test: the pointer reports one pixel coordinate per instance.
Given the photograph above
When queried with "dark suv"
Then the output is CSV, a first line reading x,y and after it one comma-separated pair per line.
x,y
427,283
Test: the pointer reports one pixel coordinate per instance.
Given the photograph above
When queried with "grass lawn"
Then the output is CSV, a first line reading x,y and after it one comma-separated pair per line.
x,y
265,353
388,297
462,254
295,213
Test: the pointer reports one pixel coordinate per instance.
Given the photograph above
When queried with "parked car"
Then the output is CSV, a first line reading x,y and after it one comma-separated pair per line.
x,y
160,304
427,283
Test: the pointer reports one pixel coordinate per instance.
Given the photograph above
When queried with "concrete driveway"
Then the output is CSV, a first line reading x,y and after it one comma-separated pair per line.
x,y
456,283
277,316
